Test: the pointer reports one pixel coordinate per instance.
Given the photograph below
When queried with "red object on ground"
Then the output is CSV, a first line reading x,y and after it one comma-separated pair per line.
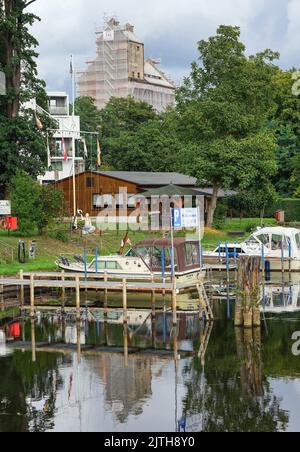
x,y
14,330
11,223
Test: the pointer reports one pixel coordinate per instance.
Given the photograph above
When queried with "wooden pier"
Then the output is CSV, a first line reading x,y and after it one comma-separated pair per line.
x,y
106,283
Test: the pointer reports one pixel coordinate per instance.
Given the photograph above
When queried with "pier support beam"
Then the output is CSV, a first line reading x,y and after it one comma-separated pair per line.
x,y
22,298
32,308
77,298
125,317
174,301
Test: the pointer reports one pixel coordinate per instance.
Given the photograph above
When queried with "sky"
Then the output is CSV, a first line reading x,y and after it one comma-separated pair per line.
x,y
170,30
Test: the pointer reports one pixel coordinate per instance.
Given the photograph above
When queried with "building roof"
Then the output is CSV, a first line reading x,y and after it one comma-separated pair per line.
x,y
145,179
132,37
221,194
156,77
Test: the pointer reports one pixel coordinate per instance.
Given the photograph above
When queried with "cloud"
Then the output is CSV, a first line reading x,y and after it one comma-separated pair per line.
x,y
169,28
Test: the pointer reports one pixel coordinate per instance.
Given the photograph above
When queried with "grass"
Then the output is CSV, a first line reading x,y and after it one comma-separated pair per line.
x,y
49,249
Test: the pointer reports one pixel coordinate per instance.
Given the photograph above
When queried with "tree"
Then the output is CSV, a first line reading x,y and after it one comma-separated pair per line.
x,y
35,205
223,106
22,143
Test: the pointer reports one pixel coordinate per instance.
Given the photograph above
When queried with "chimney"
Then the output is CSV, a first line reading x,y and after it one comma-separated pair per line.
x,y
129,27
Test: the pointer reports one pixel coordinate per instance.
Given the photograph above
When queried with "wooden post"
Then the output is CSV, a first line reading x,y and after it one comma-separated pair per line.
x,y
153,307
125,337
125,319
77,298
22,298
105,294
78,332
32,313
247,312
174,301
63,292
33,342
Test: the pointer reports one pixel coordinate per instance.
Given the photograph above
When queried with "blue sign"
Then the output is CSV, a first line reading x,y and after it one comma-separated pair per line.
x,y
177,218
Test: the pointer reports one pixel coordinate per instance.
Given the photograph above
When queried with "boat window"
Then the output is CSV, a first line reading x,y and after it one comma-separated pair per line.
x,y
279,241
264,239
252,239
144,253
297,238
191,254
109,265
157,258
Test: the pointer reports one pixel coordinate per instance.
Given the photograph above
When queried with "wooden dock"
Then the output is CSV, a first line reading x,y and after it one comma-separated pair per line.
x,y
106,283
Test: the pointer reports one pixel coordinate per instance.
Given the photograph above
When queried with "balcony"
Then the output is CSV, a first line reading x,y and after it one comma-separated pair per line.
x,y
59,111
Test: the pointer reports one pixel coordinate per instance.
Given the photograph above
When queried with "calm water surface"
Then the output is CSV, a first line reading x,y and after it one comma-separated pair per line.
x,y
225,380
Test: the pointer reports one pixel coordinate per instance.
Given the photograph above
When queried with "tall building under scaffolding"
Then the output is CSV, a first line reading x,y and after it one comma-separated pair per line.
x,y
120,70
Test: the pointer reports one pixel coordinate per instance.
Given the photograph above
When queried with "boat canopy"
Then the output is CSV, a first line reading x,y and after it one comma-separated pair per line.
x,y
158,254
274,239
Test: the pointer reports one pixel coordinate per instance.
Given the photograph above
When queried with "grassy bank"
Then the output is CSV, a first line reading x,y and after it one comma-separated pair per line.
x,y
49,248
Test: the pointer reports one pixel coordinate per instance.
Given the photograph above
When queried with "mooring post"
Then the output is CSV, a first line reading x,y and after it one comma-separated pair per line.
x,y
78,333
174,300
105,293
125,339
125,319
33,342
263,263
32,313
77,298
290,258
22,298
227,263
153,299
63,291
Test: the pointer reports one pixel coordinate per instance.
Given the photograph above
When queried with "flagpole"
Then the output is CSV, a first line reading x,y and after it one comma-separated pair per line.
x,y
73,137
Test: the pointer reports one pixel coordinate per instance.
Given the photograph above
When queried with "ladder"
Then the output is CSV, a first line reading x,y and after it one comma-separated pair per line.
x,y
204,303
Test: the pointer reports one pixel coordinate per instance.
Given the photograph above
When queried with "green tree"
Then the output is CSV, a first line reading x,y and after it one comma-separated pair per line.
x,y
223,107
35,205
22,143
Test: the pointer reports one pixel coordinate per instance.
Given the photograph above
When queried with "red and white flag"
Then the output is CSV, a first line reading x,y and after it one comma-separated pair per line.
x,y
98,154
64,148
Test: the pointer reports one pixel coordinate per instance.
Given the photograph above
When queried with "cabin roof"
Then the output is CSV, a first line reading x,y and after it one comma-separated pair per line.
x,y
178,241
144,178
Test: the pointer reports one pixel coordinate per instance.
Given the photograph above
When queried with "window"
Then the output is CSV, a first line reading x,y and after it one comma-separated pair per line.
x,y
264,239
90,182
139,75
297,238
56,166
191,254
278,242
102,201
109,265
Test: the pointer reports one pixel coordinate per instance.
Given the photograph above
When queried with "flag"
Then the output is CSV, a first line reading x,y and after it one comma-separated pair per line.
x,y
98,154
38,122
64,148
85,147
48,152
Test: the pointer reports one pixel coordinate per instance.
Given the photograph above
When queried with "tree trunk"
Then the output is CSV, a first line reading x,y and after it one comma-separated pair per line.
x,y
212,206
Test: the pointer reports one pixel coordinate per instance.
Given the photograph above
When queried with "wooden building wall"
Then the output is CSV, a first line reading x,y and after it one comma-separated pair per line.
x,y
89,184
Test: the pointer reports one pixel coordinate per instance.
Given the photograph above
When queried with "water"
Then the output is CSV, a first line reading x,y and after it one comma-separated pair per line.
x,y
224,380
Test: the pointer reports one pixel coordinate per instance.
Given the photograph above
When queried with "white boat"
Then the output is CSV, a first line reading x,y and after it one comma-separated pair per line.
x,y
278,247
147,260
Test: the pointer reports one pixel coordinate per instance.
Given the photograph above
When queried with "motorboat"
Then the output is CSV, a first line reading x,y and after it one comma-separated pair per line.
x,y
149,259
278,247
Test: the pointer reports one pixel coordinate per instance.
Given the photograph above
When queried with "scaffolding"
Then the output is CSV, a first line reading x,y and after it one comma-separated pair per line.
x,y
119,70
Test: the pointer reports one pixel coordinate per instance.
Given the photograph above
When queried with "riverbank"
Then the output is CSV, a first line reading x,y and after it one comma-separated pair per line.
x,y
50,248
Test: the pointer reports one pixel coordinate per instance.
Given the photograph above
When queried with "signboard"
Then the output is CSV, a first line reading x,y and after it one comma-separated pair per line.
x,y
2,84
109,35
5,208
186,218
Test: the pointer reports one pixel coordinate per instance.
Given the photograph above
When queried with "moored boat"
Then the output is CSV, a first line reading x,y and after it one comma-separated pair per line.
x,y
278,247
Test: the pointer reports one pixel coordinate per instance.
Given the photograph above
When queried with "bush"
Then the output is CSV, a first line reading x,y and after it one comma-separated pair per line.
x,y
61,235
35,205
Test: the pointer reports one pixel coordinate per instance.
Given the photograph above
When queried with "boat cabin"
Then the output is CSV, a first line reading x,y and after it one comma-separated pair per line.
x,y
157,255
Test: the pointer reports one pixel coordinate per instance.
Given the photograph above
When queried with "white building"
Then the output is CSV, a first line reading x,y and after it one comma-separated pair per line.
x,y
68,129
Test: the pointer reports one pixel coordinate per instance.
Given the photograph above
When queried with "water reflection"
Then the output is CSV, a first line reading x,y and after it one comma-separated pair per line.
x,y
102,375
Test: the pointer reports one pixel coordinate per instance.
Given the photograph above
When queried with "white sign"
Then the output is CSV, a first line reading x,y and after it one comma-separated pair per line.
x,y
5,208
2,84
186,218
109,35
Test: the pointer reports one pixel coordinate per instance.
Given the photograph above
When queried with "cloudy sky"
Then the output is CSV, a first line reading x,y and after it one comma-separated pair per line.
x,y
169,28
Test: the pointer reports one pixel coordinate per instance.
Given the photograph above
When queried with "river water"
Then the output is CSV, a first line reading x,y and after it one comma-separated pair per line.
x,y
59,376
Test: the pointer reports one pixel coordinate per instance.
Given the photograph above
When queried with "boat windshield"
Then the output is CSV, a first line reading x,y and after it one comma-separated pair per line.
x,y
252,240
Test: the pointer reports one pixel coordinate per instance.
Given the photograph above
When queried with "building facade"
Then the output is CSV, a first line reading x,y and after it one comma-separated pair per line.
x,y
68,129
120,70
